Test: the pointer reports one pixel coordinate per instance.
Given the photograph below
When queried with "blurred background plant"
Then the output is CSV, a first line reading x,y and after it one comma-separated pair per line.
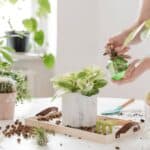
x,y
29,25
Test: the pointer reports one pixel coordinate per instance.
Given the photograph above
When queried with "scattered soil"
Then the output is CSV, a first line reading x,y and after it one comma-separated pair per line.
x,y
18,129
58,122
117,148
19,140
142,120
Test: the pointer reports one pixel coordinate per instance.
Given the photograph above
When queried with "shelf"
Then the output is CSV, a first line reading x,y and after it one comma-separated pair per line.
x,y
26,56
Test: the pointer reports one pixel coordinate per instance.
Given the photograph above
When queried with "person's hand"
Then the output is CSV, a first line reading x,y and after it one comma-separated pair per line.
x,y
135,69
116,43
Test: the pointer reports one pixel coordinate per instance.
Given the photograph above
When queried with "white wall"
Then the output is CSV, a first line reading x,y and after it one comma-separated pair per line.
x,y
77,34
83,28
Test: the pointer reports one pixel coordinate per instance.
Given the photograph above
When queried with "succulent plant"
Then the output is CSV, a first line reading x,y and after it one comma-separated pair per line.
x,y
104,126
21,83
7,85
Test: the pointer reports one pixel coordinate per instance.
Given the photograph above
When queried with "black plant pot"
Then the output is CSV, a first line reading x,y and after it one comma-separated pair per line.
x,y
18,40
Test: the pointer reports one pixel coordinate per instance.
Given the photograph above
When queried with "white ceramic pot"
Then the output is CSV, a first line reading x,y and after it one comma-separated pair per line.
x,y
7,106
79,110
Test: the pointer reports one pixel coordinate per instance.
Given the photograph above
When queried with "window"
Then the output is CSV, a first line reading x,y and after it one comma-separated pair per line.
x,y
11,17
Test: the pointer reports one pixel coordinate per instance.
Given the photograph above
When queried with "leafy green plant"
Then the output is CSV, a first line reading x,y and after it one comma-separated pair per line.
x,y
104,127
7,85
6,53
41,136
117,67
21,83
88,82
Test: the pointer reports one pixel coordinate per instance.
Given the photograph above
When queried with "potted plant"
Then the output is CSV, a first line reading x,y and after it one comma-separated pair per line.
x,y
7,98
22,92
19,41
79,91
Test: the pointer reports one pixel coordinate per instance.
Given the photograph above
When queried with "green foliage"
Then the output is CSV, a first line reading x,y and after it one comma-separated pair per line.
x,y
21,83
7,85
6,53
87,82
39,37
48,60
117,67
41,136
30,24
13,1
44,7
104,127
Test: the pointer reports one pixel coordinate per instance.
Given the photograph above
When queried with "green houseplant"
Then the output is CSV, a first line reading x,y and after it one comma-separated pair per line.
x,y
7,98
79,91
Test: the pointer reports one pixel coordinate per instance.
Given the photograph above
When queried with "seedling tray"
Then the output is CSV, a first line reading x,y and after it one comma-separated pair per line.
x,y
82,134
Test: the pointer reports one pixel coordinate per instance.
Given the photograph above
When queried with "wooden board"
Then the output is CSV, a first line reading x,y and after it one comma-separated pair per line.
x,y
80,133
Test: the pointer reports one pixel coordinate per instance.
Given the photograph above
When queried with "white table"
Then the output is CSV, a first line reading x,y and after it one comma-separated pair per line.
x,y
61,142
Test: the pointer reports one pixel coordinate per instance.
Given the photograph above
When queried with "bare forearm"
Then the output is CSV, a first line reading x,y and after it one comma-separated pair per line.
x,y
147,63
145,11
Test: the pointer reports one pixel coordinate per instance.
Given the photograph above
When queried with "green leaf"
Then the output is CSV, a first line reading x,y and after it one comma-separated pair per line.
x,y
100,83
133,35
39,37
44,7
118,76
13,1
8,48
30,24
7,56
48,60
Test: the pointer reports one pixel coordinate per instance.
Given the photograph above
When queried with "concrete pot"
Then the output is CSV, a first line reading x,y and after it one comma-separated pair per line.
x,y
7,106
79,110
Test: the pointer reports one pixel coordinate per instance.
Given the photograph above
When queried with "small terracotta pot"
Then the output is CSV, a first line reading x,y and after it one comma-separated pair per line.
x,y
7,106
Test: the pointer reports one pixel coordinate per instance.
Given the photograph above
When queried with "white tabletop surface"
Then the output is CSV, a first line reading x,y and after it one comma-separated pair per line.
x,y
61,142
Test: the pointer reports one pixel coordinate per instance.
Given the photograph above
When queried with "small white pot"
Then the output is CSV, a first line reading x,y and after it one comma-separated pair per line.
x,y
7,106
79,110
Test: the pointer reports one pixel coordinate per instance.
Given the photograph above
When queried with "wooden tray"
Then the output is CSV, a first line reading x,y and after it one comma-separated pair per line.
x,y
81,133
